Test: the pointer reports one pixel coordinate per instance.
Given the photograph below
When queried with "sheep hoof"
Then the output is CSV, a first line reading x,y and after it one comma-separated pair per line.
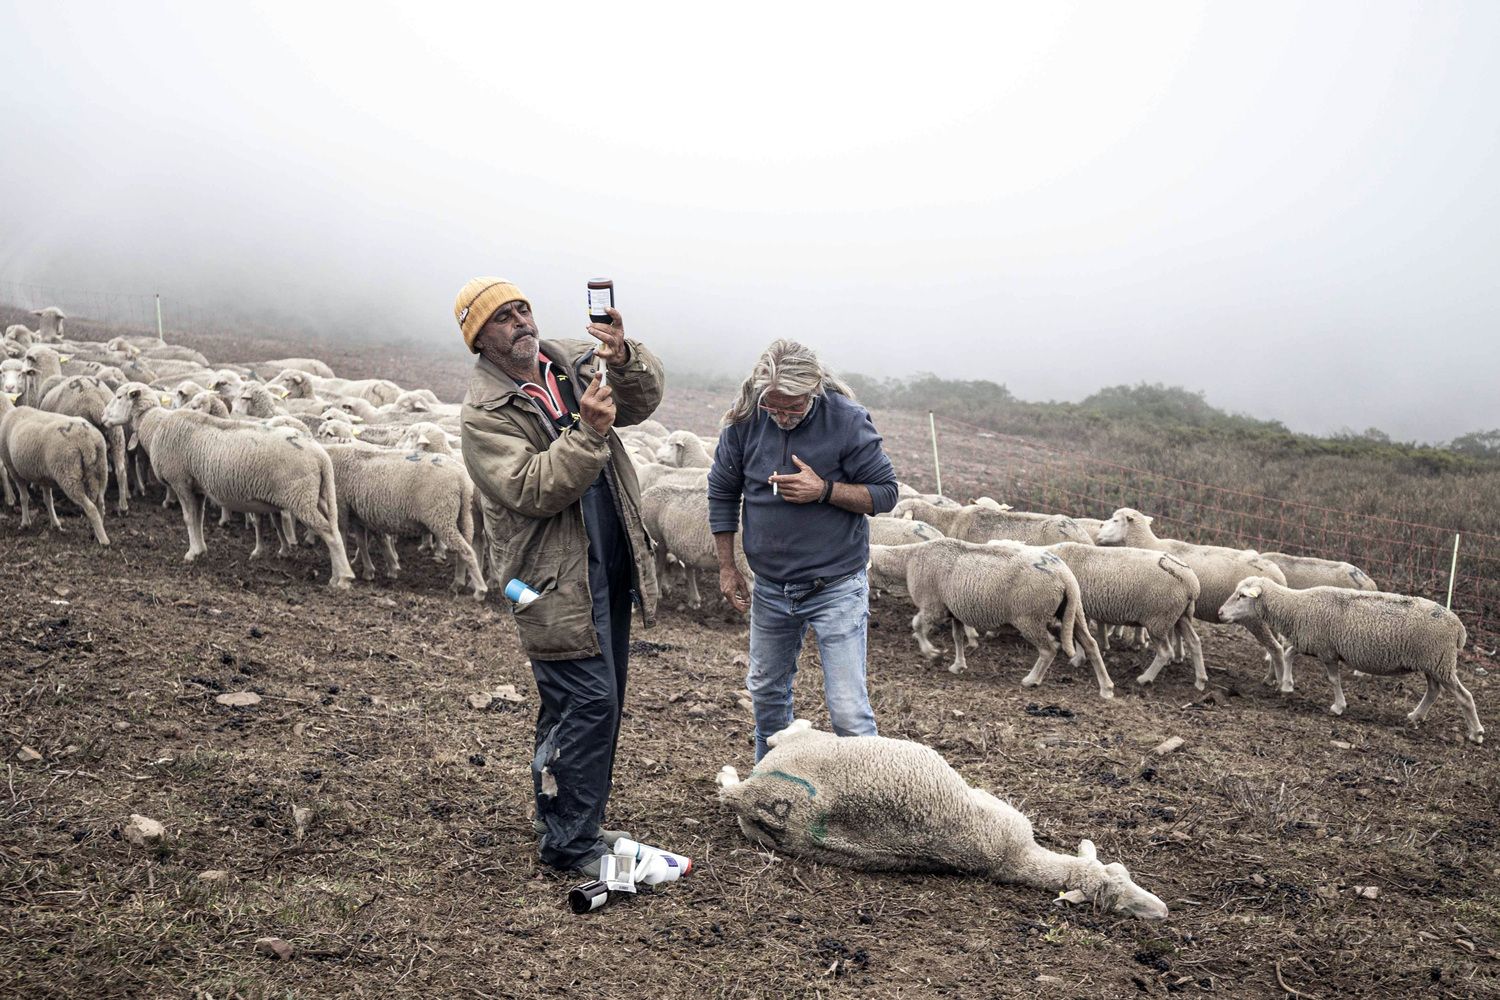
x,y
1286,688
1145,681
1335,709
1476,737
1107,692
727,777
1029,682
954,668
190,557
340,583
1200,683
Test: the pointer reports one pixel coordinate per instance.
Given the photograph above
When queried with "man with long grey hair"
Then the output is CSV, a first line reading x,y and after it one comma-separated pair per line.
x,y
803,461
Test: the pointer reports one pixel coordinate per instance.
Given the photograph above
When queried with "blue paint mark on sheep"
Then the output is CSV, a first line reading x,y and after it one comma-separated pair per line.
x,y
414,457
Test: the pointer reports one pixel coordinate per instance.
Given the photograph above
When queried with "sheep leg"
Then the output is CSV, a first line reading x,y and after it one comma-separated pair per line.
x,y
1083,640
1429,696
362,540
960,661
1046,648
255,553
1163,657
122,483
695,599
467,564
1465,700
338,559
51,510
278,522
24,490
1332,667
1279,662
1187,637
392,561
919,626
971,637
192,515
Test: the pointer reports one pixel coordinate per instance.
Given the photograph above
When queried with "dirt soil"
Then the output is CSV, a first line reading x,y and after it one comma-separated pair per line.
x,y
1301,854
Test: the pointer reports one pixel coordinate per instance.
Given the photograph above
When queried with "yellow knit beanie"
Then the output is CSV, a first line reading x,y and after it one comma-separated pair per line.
x,y
477,302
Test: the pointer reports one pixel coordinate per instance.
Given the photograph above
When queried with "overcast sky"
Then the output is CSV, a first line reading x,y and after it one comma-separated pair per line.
x,y
1290,206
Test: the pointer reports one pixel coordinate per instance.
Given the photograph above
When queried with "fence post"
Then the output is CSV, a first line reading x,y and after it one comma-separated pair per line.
x,y
937,470
1453,571
158,318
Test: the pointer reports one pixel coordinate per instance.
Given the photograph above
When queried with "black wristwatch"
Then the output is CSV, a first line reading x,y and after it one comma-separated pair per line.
x,y
827,491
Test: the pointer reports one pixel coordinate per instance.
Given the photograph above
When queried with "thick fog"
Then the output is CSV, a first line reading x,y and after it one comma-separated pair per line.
x,y
1290,206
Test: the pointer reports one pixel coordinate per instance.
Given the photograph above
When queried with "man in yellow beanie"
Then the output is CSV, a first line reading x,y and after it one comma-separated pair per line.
x,y
562,514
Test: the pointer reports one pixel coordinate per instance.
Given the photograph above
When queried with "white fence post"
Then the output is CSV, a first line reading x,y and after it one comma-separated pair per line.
x,y
158,318
937,470
1453,571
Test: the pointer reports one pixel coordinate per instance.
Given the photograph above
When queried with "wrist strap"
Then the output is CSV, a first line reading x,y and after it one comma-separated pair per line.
x,y
827,491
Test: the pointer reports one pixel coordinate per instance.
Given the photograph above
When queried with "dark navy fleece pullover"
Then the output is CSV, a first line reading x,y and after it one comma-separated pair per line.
x,y
797,543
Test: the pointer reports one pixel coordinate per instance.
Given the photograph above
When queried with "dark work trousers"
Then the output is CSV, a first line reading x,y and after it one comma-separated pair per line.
x,y
578,724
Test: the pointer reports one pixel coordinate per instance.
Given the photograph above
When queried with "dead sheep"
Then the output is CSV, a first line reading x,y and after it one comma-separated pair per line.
x,y
878,804
54,452
1373,632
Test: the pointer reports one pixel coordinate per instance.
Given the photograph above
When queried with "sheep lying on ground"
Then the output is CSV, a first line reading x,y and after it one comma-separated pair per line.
x,y
85,396
241,466
266,370
54,452
395,494
986,586
1219,571
1122,586
676,517
983,523
684,450
1302,572
1373,632
879,804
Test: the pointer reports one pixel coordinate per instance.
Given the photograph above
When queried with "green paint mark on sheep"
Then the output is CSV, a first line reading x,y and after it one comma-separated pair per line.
x,y
806,785
818,831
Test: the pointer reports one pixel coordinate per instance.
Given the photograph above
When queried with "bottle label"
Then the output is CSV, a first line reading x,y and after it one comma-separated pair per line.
x,y
600,300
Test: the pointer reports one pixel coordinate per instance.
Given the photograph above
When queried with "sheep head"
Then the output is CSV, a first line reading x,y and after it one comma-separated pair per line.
x,y
1245,603
1114,891
1126,526
131,400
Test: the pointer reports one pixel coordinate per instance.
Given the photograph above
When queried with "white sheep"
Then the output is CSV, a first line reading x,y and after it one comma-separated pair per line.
x,y
52,323
987,586
676,517
651,473
1219,570
21,336
1142,587
241,466
395,494
208,402
183,392
987,522
684,450
54,452
428,437
879,804
85,396
1373,632
301,385
227,384
905,531
267,370
1302,572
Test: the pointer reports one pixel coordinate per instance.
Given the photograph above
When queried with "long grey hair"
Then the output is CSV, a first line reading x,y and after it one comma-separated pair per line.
x,y
786,366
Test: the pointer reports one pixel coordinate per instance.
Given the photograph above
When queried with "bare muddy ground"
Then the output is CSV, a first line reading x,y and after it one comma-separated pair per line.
x,y
414,871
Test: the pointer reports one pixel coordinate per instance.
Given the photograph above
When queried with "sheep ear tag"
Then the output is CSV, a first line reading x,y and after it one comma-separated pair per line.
x,y
166,400
279,391
65,358
1253,592
354,430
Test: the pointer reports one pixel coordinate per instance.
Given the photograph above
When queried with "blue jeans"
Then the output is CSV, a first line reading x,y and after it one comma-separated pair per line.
x,y
779,617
